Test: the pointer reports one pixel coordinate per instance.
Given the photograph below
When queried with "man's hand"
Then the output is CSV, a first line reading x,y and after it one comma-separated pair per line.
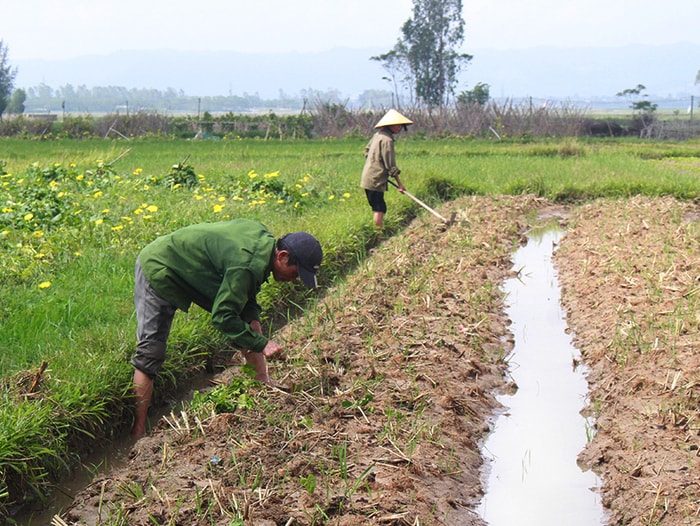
x,y
399,185
272,349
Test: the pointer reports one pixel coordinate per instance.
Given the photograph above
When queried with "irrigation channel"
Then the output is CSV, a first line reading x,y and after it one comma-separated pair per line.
x,y
531,473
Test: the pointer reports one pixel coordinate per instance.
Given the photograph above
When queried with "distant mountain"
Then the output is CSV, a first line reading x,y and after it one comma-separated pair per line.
x,y
576,74
592,72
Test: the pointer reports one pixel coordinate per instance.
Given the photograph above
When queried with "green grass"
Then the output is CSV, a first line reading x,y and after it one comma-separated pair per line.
x,y
75,214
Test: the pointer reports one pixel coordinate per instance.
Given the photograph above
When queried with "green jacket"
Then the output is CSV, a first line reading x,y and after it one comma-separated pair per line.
x,y
380,162
218,266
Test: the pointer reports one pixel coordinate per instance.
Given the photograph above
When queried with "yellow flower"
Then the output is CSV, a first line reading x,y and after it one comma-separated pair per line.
x,y
38,233
29,216
99,221
331,197
44,284
79,177
138,171
218,208
198,197
272,174
138,211
118,227
252,174
152,208
39,255
346,195
221,199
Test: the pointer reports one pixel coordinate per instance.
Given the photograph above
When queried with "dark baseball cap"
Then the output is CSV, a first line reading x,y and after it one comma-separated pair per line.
x,y
307,251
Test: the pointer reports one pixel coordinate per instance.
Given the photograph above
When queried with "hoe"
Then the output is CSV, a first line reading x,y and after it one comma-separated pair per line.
x,y
447,222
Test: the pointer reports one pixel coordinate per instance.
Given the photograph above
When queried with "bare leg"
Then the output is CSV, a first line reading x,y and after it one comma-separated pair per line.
x,y
143,391
379,219
259,363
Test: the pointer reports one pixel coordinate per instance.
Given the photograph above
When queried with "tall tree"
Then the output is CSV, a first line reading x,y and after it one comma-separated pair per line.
x,y
427,50
7,78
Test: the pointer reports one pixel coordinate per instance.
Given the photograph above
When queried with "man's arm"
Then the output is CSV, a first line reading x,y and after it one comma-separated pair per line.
x,y
235,297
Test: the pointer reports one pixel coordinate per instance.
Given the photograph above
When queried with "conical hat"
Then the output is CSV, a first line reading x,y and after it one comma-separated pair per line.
x,y
392,117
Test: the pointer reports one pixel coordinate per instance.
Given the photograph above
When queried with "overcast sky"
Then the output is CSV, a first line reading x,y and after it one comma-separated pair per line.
x,y
62,29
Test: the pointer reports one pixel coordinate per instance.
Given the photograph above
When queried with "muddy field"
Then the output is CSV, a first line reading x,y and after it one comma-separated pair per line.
x,y
388,389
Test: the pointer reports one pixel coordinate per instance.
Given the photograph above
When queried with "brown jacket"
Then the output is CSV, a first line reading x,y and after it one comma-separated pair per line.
x,y
380,162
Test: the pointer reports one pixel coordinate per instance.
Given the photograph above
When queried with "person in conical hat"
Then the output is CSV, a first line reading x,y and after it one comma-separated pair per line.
x,y
380,163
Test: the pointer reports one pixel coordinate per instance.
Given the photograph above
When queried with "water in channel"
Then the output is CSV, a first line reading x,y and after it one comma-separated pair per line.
x,y
532,477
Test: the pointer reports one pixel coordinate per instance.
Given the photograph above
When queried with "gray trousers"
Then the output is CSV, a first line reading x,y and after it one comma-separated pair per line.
x,y
154,316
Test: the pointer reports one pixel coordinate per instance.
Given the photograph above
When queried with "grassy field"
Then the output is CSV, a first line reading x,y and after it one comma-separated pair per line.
x,y
75,214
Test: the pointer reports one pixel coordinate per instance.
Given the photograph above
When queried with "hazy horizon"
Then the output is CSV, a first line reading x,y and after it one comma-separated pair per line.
x,y
544,72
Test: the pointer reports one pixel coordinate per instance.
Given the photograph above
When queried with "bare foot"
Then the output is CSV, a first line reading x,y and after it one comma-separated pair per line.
x,y
265,379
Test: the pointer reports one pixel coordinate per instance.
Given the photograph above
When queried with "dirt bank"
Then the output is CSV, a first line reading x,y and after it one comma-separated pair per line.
x,y
630,274
390,383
